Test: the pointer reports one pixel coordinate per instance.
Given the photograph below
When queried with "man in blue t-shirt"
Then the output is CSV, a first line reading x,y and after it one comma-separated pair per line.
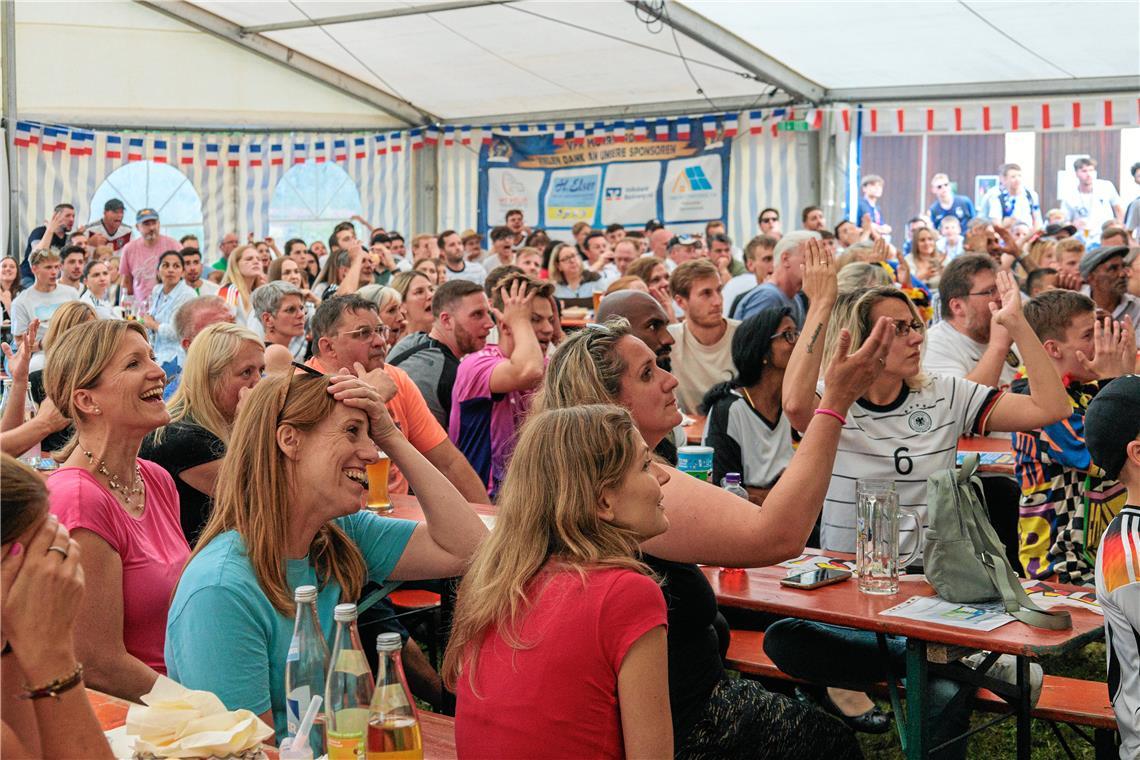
x,y
946,203
57,230
872,187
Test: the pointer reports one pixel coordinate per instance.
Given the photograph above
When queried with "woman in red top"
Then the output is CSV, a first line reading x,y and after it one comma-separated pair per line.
x,y
558,644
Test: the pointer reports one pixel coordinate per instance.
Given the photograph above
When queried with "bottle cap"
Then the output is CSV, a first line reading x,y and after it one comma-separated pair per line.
x,y
732,477
305,594
389,642
344,613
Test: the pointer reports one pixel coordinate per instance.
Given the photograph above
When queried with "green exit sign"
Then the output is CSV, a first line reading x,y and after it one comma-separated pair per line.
x,y
794,125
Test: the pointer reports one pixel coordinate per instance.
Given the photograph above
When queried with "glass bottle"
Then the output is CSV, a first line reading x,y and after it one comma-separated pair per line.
x,y
731,483
393,729
305,667
348,689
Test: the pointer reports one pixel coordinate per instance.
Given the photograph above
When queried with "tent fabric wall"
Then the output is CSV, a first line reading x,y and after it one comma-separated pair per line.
x,y
234,198
458,188
769,169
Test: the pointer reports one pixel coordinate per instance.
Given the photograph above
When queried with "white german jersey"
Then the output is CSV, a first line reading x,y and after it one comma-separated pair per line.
x,y
906,441
1118,590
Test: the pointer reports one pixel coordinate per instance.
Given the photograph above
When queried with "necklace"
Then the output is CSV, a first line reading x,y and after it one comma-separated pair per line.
x,y
129,492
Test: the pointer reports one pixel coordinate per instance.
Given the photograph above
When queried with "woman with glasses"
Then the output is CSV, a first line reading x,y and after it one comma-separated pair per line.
x,y
571,280
222,364
278,313
746,425
904,428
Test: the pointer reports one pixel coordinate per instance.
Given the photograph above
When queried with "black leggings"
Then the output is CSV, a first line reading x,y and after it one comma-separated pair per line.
x,y
744,720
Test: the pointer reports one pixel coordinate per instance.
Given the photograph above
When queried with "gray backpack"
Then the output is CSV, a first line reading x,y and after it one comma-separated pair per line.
x,y
963,558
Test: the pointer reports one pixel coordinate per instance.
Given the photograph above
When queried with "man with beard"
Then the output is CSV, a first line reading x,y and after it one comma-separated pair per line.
x,y
702,343
111,225
462,323
1107,276
139,260
969,342
451,246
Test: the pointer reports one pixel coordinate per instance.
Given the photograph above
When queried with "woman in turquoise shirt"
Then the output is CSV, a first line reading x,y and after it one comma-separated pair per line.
x,y
287,512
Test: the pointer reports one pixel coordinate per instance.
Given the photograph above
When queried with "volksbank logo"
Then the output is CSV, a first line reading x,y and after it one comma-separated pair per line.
x,y
692,179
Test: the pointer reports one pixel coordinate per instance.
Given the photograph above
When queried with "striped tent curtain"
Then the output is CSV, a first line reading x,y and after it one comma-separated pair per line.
x,y
768,169
458,171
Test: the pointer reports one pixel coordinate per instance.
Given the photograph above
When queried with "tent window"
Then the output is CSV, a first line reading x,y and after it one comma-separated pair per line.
x,y
146,184
311,199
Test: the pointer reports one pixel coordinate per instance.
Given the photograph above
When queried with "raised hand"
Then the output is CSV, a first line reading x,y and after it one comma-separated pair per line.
x,y
819,275
18,361
1114,350
516,304
354,391
1010,309
849,376
377,379
1068,281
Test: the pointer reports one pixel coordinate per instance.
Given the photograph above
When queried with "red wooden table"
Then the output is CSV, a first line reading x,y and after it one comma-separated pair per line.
x,y
986,444
843,604
438,730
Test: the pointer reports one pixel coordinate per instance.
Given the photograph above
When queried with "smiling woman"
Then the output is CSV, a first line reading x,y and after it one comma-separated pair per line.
x,y
121,510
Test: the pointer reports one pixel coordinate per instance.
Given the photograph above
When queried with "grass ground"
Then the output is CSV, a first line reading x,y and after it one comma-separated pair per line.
x,y
999,741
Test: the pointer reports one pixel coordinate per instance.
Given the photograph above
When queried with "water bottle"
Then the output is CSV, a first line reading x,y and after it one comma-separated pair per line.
x,y
348,689
33,455
393,729
731,483
305,667
936,306
7,394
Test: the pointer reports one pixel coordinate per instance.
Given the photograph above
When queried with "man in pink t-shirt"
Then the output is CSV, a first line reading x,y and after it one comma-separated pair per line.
x,y
138,262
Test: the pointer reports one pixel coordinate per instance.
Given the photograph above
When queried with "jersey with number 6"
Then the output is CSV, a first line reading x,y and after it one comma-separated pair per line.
x,y
906,441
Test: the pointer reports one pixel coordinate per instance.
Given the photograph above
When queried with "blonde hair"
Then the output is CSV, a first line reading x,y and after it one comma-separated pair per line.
x,y
210,354
235,278
1041,248
77,359
382,295
586,368
852,312
255,485
558,521
66,317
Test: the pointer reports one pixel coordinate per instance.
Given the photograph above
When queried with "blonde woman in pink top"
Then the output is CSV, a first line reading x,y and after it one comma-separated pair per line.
x,y
122,511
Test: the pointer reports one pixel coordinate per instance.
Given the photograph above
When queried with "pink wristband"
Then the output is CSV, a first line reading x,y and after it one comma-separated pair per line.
x,y
832,413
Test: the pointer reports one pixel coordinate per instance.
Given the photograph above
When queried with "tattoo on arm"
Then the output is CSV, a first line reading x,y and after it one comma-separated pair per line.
x,y
814,336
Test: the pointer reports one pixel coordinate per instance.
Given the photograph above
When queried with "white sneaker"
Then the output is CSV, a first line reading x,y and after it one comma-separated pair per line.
x,y
1005,669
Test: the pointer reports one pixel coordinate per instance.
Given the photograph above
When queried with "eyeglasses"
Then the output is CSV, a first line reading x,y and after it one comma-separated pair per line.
x,y
367,332
791,336
769,219
904,328
942,185
988,292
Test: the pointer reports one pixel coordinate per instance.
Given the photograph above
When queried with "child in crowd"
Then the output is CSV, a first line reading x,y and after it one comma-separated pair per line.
x,y
1112,427
1066,500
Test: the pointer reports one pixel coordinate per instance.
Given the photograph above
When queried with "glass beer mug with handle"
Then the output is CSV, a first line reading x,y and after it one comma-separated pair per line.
x,y
878,513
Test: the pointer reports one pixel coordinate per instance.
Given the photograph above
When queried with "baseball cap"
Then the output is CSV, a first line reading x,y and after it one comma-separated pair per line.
x,y
1052,229
1112,420
145,215
653,224
682,240
1094,258
113,205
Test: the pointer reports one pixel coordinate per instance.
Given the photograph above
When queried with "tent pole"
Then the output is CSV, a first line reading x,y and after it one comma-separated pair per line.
x,y
8,21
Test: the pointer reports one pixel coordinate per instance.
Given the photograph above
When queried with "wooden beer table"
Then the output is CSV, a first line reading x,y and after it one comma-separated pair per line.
x,y
438,730
843,604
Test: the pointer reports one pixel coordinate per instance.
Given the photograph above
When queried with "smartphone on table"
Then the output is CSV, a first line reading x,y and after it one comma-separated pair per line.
x,y
820,576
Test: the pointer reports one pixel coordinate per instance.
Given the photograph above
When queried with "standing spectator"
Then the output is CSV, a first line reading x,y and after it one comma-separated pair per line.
x,y
1107,276
41,300
502,248
1112,428
769,223
950,242
461,325
139,258
1132,214
872,189
1010,199
458,268
111,226
519,231
493,387
52,234
243,275
758,261
702,343
784,288
72,259
472,246
946,203
192,273
1091,203
812,219
159,319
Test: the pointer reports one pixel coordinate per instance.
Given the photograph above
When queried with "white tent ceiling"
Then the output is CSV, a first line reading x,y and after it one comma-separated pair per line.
x,y
215,62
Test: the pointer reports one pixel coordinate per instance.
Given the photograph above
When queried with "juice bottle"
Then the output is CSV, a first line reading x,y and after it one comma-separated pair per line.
x,y
393,729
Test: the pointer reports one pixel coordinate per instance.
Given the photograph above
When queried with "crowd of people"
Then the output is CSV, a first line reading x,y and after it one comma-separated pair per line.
x,y
208,434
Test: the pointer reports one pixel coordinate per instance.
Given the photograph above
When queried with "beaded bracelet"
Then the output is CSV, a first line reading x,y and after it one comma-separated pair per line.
x,y
832,413
56,687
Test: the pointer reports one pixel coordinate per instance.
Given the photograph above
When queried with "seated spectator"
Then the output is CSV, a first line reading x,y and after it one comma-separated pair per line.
x,y
1040,280
287,513
702,343
66,317
288,270
391,309
626,252
416,292
72,259
746,426
758,261
348,269
598,254
1112,427
529,260
224,362
558,595
571,281
10,285
769,223
347,331
432,269
628,282
1112,236
1107,276
97,291
784,288
191,318
970,341
40,301
812,219
493,386
243,275
654,274
462,323
159,318
43,587
1043,253
1066,503
278,315
472,245
924,260
121,510
847,234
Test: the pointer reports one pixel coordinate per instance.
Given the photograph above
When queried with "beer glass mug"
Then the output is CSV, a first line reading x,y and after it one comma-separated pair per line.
x,y
377,472
877,536
127,303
